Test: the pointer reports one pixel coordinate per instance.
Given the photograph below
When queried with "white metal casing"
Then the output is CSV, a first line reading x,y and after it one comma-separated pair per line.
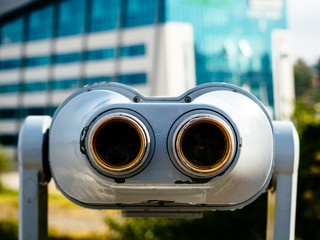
x,y
160,181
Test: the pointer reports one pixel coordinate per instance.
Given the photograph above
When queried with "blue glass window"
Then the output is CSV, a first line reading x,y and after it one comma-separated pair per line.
x,y
40,24
136,78
50,110
104,15
9,113
135,50
9,88
34,87
35,111
12,32
24,112
97,79
10,64
100,54
70,17
8,139
36,61
139,12
64,84
67,57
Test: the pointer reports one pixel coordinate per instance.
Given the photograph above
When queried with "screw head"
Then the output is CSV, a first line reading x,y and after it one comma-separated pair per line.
x,y
136,99
187,99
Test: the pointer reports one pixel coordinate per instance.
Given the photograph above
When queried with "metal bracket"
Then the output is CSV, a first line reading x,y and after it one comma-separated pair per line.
x,y
34,177
282,199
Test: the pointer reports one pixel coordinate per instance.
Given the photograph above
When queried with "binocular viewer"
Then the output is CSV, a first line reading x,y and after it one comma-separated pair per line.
x,y
109,147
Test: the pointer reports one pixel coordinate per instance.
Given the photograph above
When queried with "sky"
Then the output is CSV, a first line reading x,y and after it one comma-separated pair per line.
x,y
304,24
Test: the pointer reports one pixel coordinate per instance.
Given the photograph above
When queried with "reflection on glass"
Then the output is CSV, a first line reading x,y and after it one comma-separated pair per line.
x,y
139,12
40,24
11,32
104,15
70,17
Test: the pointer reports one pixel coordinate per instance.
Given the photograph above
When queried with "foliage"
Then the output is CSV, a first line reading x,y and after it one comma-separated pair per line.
x,y
8,230
308,198
304,115
318,68
303,78
308,126
247,223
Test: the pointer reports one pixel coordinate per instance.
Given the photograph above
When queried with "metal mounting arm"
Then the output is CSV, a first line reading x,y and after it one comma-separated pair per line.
x,y
282,198
34,176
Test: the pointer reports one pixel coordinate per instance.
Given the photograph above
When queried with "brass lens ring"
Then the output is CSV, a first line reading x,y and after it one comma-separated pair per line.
x,y
118,143
204,145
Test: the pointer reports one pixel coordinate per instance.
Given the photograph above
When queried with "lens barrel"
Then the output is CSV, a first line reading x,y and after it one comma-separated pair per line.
x,y
118,144
204,145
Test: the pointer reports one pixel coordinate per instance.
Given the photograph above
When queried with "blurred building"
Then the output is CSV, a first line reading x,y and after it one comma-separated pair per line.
x,y
50,48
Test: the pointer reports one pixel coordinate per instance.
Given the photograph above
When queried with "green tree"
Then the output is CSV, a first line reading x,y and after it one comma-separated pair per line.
x,y
302,77
308,197
316,91
304,114
308,126
318,68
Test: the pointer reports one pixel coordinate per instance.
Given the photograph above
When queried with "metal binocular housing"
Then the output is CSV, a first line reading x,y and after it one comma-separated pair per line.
x,y
110,147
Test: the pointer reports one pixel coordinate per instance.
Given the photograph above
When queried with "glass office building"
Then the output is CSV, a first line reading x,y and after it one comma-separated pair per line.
x,y
50,48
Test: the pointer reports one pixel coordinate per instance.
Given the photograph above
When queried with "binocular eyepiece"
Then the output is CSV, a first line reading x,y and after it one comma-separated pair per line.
x,y
204,145
118,143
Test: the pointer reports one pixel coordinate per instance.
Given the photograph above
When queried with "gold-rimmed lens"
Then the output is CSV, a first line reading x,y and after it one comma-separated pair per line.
x,y
204,145
119,143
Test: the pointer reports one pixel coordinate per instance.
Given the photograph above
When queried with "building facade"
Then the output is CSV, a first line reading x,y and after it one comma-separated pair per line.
x,y
161,47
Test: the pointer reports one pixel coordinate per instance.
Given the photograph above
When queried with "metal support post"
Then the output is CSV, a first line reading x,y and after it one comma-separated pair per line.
x,y
282,198
33,178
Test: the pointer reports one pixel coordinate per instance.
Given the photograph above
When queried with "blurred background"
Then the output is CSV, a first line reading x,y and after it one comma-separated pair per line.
x,y
160,47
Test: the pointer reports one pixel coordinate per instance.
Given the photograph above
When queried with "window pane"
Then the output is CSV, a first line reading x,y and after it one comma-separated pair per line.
x,y
9,140
134,50
50,110
40,24
91,80
9,88
104,15
10,64
67,58
36,61
35,111
100,54
12,31
139,12
136,78
10,113
64,84
34,87
70,17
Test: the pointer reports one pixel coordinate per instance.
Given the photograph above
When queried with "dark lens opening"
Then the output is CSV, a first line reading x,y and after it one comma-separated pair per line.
x,y
117,143
204,144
